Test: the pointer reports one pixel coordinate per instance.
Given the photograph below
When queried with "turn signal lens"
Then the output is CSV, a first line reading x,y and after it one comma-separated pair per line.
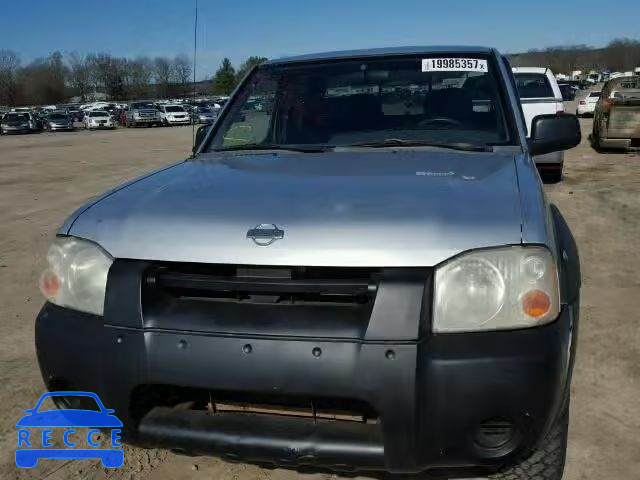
x,y
536,303
49,284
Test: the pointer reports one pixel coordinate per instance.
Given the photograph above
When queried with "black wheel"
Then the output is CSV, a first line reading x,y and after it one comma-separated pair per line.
x,y
595,140
551,174
595,135
545,462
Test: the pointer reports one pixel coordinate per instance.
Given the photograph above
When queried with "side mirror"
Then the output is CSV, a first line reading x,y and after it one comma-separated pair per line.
x,y
200,134
553,133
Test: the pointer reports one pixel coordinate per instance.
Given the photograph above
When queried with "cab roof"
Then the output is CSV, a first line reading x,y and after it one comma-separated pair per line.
x,y
542,70
381,52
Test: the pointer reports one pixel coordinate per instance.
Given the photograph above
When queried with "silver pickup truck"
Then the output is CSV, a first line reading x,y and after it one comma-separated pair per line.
x,y
142,113
366,275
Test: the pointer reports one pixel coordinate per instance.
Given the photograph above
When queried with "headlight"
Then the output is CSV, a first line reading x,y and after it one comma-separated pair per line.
x,y
496,289
76,276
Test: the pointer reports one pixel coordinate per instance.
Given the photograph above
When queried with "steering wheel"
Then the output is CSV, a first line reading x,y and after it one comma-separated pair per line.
x,y
441,120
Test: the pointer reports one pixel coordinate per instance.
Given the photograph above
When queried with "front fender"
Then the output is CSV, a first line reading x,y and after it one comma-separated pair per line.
x,y
570,283
568,259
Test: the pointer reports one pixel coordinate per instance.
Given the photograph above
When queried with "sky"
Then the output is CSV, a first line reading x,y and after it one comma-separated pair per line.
x,y
276,28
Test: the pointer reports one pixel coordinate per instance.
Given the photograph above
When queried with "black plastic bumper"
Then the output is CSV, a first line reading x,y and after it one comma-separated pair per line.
x,y
435,397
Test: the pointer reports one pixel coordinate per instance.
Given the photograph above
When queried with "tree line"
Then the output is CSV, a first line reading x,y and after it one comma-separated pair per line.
x,y
620,55
56,78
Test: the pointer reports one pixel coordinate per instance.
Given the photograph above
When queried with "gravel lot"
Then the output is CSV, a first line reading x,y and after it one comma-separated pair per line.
x,y
44,177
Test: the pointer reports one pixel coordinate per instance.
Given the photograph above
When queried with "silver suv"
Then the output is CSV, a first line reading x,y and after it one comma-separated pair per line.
x,y
363,274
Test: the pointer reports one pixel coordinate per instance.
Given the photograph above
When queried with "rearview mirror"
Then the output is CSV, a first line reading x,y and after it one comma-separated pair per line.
x,y
553,133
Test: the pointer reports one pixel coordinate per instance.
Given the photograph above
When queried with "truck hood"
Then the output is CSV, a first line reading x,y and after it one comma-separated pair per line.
x,y
365,208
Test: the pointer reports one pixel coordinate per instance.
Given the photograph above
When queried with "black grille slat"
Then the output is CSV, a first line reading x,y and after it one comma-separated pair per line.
x,y
241,283
203,282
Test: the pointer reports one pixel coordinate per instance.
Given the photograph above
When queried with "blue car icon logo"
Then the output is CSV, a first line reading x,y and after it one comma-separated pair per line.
x,y
28,452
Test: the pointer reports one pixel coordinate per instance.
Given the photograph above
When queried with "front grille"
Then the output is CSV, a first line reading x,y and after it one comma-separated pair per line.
x,y
146,114
273,301
290,285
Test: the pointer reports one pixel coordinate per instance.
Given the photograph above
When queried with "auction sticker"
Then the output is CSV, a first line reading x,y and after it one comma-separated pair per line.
x,y
454,65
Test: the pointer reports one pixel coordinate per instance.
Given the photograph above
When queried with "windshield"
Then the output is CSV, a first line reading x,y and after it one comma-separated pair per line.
x,y
348,102
533,85
98,114
17,117
138,106
594,95
57,116
633,83
174,109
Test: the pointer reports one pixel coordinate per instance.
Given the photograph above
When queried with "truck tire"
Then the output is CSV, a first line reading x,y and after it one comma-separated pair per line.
x,y
546,462
595,136
555,175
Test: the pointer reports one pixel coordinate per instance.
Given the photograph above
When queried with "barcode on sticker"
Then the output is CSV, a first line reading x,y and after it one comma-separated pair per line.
x,y
454,65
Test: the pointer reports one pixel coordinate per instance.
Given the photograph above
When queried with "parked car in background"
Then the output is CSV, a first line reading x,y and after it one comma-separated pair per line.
x,y
56,121
75,113
95,106
540,95
19,122
567,91
142,113
115,114
587,104
203,115
96,119
616,122
172,114
574,84
39,118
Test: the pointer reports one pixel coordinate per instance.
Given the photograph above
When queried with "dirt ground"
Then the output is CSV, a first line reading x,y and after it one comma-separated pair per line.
x,y
44,177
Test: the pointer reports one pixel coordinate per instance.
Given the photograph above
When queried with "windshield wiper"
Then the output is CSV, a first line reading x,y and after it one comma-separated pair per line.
x,y
398,142
272,146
